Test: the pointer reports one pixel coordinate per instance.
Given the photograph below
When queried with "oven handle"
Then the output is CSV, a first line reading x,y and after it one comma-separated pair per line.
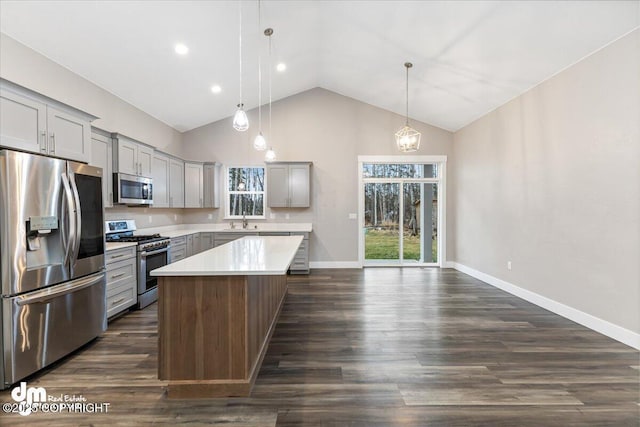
x,y
145,254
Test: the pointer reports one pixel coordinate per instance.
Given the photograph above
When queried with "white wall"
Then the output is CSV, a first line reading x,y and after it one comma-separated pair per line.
x,y
330,130
551,181
26,67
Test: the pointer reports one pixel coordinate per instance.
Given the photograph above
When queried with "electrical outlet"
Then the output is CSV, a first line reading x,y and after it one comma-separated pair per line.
x,y
353,216
210,216
508,265
272,216
150,219
286,216
175,217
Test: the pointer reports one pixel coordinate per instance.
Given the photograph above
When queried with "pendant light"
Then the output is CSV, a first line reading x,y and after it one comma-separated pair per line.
x,y
407,138
270,155
259,143
240,120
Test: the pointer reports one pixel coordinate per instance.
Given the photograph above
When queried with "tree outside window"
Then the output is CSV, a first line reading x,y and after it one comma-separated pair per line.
x,y
245,192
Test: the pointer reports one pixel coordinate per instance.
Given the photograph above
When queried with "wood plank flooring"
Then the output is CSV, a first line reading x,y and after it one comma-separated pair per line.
x,y
374,347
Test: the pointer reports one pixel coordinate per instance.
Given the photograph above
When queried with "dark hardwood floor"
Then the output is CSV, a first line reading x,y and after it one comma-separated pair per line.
x,y
374,347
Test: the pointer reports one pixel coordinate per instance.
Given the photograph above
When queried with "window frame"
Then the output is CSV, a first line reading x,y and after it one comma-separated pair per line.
x,y
227,192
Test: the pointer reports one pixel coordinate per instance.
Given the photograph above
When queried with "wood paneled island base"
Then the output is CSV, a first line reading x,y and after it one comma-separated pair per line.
x,y
213,332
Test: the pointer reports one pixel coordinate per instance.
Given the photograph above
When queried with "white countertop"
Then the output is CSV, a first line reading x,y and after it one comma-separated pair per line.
x,y
112,246
250,255
185,229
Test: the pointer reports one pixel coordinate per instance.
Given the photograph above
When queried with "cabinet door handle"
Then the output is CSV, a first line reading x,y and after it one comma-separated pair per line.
x,y
43,146
200,202
116,256
118,301
53,143
115,276
170,202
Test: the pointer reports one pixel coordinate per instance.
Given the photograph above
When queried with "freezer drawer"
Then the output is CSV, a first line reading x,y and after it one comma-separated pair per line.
x,y
40,327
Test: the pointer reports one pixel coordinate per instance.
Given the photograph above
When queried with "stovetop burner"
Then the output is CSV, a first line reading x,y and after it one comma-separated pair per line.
x,y
139,239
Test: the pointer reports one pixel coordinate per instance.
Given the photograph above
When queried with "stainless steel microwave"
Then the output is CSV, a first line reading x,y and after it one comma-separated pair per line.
x,y
132,189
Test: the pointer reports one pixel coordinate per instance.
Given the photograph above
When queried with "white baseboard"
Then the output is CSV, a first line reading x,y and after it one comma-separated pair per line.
x,y
604,327
334,264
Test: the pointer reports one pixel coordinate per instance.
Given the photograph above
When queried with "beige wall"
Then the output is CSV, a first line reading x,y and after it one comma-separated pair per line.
x,y
159,216
551,181
329,129
26,67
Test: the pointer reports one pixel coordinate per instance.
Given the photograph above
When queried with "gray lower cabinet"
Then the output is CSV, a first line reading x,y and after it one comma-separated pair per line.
x,y
222,238
300,263
207,241
178,248
122,290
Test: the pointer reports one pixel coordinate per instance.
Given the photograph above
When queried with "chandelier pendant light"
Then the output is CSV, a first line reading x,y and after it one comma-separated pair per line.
x,y
259,143
407,138
240,120
270,155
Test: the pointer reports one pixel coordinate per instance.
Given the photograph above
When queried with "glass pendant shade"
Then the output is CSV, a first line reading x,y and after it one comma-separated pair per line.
x,y
241,186
408,139
270,156
240,120
260,143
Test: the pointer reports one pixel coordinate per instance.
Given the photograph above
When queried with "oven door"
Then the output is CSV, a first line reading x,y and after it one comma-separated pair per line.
x,y
148,261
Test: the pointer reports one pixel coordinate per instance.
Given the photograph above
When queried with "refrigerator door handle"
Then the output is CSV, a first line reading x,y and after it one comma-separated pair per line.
x,y
78,225
70,241
47,294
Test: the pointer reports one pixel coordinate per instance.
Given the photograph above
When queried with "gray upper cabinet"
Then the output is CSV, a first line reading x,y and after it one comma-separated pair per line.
x,y
32,122
160,180
288,184
211,187
132,157
101,156
193,185
69,136
176,183
168,181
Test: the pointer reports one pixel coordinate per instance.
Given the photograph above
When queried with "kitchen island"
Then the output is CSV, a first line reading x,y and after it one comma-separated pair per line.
x,y
216,313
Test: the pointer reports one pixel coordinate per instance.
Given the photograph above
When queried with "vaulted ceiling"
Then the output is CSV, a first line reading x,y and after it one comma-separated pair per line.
x,y
469,56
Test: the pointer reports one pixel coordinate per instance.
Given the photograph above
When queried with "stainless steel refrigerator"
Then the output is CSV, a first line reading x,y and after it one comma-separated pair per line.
x,y
51,261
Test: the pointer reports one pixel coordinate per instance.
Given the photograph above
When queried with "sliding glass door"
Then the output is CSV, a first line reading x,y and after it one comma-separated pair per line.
x,y
400,214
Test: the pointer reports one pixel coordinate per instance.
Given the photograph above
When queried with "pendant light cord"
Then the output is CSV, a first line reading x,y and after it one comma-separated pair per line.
x,y
407,86
240,50
259,76
270,66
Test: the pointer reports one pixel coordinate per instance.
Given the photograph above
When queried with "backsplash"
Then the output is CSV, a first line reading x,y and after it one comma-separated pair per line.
x,y
146,217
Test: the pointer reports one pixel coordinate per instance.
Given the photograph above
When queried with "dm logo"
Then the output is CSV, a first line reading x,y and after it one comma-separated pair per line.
x,y
28,396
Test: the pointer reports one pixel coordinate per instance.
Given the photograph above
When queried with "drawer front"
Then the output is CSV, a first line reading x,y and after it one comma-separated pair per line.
x,y
182,240
121,272
122,298
178,252
120,254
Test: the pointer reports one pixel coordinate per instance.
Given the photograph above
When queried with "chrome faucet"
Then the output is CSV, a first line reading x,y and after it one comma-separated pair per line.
x,y
245,222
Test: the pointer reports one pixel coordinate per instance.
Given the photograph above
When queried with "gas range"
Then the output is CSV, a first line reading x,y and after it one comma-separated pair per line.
x,y
153,252
122,231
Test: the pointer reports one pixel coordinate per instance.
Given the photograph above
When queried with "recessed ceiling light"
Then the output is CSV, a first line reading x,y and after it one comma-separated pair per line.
x,y
216,89
181,49
281,67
